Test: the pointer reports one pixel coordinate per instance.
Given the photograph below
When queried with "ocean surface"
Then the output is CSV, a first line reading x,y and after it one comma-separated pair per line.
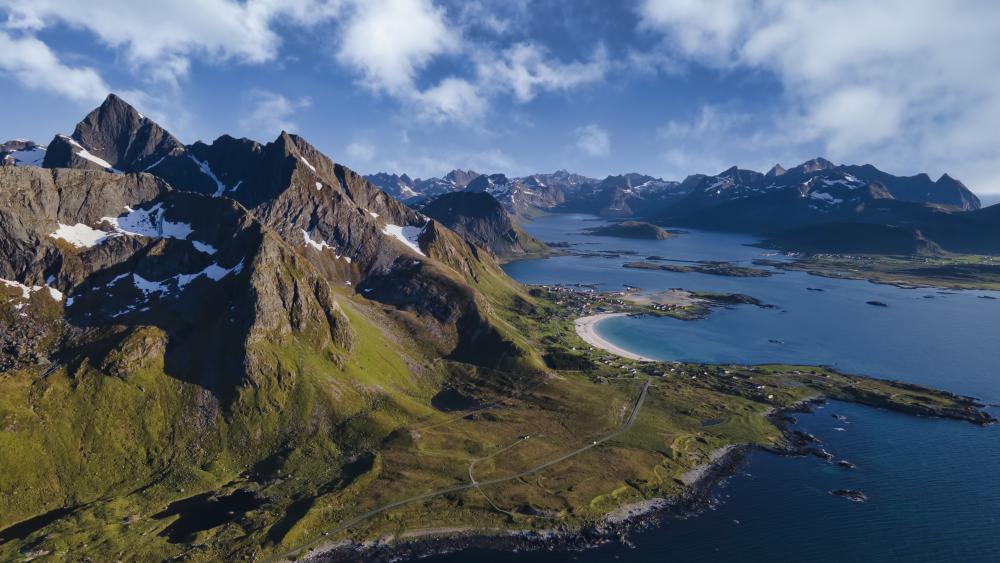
x,y
933,485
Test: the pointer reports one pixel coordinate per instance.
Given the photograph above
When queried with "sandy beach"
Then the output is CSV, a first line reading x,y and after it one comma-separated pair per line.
x,y
586,327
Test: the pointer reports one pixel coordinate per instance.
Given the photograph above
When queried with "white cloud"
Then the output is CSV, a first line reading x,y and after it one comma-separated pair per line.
x,y
453,99
389,41
270,113
34,65
161,37
707,30
593,141
389,44
525,70
909,85
360,151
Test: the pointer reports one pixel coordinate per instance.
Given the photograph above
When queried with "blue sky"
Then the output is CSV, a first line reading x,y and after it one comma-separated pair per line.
x,y
665,87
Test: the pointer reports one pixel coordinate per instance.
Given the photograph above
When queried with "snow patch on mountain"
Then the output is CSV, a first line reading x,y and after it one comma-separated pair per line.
x,y
825,197
26,290
171,285
155,164
80,235
203,247
220,188
84,153
28,157
148,223
320,245
407,235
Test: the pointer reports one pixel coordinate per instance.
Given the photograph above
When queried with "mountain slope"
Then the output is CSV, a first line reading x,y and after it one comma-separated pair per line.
x,y
149,331
480,219
351,230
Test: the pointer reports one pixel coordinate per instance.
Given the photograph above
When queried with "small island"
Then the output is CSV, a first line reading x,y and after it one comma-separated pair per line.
x,y
704,267
630,229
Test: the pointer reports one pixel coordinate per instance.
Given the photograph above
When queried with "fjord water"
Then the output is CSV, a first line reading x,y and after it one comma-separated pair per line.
x,y
933,485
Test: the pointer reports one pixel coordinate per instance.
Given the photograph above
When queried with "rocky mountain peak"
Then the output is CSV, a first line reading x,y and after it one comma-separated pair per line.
x,y
129,141
815,165
460,177
775,171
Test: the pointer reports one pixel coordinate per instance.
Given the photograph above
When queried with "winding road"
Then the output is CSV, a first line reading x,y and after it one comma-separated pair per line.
x,y
472,482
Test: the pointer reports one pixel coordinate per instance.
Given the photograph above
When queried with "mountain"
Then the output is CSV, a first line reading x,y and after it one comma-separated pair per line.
x,y
479,218
814,192
888,226
352,231
407,190
174,318
626,195
567,182
400,187
521,197
117,138
461,178
20,152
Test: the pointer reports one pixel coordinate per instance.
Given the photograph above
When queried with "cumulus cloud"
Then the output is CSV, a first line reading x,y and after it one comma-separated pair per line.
x,y
453,99
389,41
389,45
910,85
270,113
525,69
707,30
33,64
592,140
161,37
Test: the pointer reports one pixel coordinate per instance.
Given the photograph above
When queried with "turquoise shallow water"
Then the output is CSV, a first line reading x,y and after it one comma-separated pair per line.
x,y
934,486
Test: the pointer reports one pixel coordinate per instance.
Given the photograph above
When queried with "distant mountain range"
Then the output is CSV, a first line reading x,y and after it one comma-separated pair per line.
x,y
816,192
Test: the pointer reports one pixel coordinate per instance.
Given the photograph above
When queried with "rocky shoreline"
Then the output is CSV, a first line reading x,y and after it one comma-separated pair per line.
x,y
615,526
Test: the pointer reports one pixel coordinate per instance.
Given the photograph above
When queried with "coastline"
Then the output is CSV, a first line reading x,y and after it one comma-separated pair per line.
x,y
615,526
586,328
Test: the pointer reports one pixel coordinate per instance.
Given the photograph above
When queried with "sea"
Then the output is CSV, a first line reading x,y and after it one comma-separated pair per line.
x,y
933,486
